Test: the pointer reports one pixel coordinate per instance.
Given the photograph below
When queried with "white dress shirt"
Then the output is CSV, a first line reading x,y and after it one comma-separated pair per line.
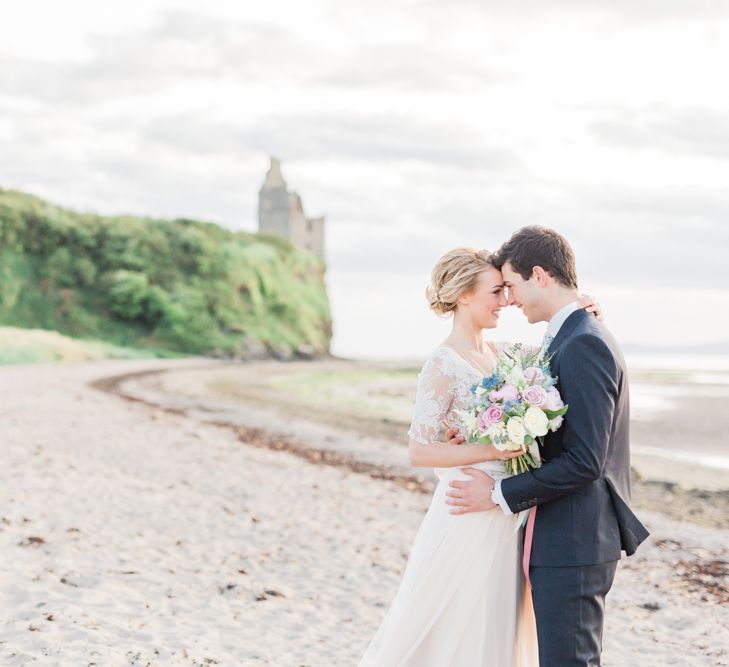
x,y
553,327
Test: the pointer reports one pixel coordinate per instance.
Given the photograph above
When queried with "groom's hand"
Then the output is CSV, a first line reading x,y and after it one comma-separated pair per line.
x,y
471,496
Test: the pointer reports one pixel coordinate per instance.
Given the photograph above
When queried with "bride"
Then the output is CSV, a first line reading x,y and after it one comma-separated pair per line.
x,y
462,601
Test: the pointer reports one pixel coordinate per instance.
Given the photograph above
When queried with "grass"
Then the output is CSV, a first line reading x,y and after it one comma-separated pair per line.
x,y
29,346
376,398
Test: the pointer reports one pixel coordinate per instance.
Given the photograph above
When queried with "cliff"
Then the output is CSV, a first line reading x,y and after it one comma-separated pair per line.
x,y
179,285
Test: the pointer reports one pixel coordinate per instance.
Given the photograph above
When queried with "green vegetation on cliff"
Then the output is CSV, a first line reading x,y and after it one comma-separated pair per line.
x,y
180,285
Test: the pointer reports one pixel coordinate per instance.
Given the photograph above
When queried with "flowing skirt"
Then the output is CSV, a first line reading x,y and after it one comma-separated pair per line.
x,y
462,601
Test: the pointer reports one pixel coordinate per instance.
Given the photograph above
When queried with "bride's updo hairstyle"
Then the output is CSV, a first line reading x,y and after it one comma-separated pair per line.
x,y
455,274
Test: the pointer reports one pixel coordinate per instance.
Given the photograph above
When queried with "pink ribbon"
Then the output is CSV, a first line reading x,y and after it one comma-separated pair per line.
x,y
528,543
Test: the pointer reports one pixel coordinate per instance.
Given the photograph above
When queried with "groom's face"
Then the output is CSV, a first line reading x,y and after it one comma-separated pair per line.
x,y
524,294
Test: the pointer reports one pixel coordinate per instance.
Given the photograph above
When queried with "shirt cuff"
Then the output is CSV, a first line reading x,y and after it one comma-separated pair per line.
x,y
498,498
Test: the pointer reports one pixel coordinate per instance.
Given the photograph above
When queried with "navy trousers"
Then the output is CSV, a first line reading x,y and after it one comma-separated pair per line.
x,y
569,604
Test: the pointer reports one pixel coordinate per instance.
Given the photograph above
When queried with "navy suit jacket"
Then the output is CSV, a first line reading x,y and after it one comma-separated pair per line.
x,y
583,487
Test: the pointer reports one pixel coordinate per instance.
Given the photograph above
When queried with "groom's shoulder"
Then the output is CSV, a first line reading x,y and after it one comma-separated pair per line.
x,y
592,337
585,339
589,325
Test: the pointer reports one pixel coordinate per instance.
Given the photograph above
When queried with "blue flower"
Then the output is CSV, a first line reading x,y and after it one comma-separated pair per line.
x,y
490,382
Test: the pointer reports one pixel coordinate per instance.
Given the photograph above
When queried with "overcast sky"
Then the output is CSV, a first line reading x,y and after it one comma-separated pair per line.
x,y
414,126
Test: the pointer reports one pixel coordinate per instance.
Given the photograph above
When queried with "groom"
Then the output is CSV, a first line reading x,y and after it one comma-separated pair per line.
x,y
581,494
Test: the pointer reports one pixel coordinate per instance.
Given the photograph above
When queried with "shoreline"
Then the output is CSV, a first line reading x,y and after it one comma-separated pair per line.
x,y
166,389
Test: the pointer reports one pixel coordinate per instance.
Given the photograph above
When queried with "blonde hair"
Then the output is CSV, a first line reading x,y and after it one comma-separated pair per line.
x,y
453,275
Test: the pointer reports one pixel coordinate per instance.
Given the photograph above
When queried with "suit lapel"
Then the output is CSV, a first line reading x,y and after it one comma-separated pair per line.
x,y
555,438
564,331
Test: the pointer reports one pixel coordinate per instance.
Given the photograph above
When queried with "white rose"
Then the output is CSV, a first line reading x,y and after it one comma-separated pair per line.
x,y
555,423
536,422
516,430
516,376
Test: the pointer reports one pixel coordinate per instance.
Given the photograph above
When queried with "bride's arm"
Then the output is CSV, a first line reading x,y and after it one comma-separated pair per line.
x,y
435,394
444,455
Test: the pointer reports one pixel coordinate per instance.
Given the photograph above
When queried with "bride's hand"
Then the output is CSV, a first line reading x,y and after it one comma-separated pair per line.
x,y
453,435
506,455
591,306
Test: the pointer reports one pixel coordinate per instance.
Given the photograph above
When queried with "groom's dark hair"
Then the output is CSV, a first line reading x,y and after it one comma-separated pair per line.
x,y
539,246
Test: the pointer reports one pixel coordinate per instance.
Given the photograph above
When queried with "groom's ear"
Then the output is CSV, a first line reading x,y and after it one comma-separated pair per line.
x,y
541,276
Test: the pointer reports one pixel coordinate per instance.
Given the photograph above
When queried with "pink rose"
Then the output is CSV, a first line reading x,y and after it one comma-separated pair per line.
x,y
533,374
493,415
507,393
535,395
553,400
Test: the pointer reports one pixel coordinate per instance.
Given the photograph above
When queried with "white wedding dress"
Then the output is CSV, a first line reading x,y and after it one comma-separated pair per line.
x,y
462,601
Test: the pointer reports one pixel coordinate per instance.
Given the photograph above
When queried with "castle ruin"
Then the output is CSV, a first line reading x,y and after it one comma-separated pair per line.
x,y
281,212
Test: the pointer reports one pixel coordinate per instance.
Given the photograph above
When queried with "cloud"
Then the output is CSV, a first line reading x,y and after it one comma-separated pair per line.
x,y
622,236
412,66
654,10
179,46
78,165
182,46
178,119
327,135
692,131
664,237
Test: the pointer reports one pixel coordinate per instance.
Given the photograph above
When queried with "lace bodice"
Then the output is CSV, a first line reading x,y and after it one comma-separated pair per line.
x,y
444,387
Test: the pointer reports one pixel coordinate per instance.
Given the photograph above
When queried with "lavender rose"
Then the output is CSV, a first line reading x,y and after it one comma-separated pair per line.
x,y
493,415
507,393
553,400
533,374
535,395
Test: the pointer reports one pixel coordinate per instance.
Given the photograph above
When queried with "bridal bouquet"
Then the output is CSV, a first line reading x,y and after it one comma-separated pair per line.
x,y
515,406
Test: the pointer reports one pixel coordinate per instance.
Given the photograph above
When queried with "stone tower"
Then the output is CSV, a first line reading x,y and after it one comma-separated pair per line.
x,y
281,212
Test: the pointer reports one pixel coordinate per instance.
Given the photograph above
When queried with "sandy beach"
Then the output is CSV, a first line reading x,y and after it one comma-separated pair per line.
x,y
148,531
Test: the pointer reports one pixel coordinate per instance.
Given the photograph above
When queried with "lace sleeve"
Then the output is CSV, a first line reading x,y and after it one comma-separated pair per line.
x,y
433,398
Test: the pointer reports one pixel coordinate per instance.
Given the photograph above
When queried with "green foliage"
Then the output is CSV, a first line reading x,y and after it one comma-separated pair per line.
x,y
129,292
182,285
25,346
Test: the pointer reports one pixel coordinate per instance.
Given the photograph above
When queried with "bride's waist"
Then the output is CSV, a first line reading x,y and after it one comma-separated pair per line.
x,y
494,469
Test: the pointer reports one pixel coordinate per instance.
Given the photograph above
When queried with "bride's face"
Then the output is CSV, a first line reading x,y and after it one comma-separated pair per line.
x,y
484,303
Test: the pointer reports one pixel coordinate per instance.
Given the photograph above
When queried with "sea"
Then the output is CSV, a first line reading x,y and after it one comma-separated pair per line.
x,y
660,386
